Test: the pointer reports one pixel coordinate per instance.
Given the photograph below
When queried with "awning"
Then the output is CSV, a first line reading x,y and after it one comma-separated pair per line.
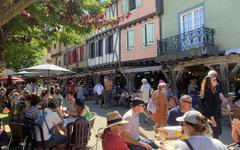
x,y
104,72
142,69
232,51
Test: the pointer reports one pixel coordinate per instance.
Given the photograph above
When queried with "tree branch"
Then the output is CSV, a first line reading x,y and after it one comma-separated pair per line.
x,y
14,9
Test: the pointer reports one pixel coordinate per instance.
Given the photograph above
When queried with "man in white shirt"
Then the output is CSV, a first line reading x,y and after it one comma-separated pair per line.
x,y
51,117
131,134
98,90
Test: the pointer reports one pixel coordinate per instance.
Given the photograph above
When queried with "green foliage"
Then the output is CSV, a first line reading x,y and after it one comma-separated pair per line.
x,y
19,56
43,23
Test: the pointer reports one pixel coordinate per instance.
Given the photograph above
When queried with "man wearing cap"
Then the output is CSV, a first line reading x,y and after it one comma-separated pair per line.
x,y
136,140
184,106
196,126
111,138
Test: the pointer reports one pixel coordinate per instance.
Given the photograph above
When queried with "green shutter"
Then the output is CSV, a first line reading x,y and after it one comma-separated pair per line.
x,y
106,44
144,35
138,3
150,34
131,39
127,40
124,6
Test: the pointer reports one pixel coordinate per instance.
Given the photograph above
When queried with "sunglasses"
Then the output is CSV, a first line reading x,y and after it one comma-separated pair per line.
x,y
187,102
142,105
120,125
214,80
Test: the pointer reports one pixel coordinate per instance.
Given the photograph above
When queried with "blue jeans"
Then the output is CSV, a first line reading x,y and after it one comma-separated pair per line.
x,y
57,138
142,139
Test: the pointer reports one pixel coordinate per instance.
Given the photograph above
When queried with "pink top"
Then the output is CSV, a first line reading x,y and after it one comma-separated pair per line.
x,y
112,141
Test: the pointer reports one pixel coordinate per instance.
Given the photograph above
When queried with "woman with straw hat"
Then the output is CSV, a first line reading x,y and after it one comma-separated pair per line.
x,y
111,139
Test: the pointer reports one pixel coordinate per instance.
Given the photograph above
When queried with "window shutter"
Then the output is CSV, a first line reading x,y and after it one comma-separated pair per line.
x,y
131,39
144,34
127,40
97,48
89,50
81,53
76,55
138,3
124,6
69,57
106,45
150,34
94,49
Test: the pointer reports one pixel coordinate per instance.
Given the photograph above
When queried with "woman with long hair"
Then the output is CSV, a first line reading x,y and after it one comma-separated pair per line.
x,y
196,127
210,103
160,98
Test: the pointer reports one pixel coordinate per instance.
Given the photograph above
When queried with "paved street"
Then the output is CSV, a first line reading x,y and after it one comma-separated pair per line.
x,y
147,128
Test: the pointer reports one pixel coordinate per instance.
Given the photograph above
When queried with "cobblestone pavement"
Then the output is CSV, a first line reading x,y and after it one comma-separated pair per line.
x,y
147,129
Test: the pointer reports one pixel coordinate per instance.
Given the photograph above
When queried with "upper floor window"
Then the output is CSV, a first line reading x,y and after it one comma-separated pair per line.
x,y
54,45
129,5
99,47
192,20
92,50
148,34
109,44
130,39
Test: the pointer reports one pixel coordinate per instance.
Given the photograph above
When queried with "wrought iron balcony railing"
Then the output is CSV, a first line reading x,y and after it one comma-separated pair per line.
x,y
198,38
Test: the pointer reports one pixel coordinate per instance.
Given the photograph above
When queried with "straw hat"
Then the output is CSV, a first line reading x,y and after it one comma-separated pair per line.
x,y
114,118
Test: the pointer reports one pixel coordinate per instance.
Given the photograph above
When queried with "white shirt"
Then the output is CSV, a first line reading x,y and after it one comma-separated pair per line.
x,y
133,125
98,88
145,90
200,143
52,119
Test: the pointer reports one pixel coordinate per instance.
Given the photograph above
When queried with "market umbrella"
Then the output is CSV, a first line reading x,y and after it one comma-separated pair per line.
x,y
49,70
27,74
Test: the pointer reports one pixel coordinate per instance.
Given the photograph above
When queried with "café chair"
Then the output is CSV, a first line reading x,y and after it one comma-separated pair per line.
x,y
39,144
78,133
17,132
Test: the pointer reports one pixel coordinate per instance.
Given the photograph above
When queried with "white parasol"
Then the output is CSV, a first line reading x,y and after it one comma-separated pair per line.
x,y
49,70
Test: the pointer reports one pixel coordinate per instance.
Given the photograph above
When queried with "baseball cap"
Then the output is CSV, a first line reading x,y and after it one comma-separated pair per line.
x,y
212,73
137,102
191,117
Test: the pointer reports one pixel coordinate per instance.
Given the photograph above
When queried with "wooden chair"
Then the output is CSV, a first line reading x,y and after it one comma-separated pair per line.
x,y
39,144
17,132
78,134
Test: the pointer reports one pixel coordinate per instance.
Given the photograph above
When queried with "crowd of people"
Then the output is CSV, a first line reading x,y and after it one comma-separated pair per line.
x,y
199,117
